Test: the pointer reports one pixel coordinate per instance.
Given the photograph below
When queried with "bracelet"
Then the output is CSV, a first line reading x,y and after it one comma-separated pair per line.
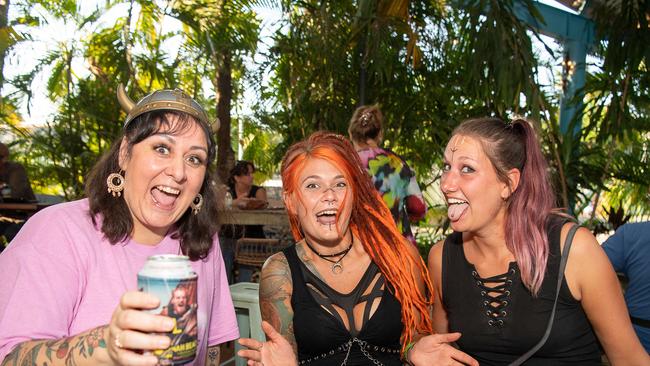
x,y
408,347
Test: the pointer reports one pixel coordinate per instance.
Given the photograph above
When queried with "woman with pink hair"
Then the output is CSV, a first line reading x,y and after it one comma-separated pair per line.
x,y
495,277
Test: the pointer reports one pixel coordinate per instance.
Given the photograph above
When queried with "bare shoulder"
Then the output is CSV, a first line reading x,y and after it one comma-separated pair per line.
x,y
276,275
261,193
584,243
587,264
277,261
434,264
435,254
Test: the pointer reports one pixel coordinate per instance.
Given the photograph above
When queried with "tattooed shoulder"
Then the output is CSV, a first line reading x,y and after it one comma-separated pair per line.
x,y
275,277
306,260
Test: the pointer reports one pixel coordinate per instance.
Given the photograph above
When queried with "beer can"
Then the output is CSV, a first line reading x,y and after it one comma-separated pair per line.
x,y
171,279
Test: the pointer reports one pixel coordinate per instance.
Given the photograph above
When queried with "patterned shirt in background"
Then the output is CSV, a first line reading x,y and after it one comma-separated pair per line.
x,y
396,183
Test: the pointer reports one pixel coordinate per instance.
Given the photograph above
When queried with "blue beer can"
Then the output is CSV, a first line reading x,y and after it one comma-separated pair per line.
x,y
171,278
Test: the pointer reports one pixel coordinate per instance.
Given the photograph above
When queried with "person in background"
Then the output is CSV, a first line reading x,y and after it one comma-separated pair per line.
x,y
629,251
72,298
496,275
244,194
13,179
14,187
390,174
352,290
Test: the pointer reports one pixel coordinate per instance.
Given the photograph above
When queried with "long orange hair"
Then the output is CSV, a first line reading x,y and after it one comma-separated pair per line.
x,y
370,221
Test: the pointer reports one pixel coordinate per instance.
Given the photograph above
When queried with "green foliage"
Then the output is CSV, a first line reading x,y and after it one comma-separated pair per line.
x,y
8,38
612,164
259,141
429,65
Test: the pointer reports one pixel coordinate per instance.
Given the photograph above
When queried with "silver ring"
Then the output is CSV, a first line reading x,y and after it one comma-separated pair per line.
x,y
118,344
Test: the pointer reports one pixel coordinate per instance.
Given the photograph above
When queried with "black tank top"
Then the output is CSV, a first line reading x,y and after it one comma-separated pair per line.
x,y
500,325
321,335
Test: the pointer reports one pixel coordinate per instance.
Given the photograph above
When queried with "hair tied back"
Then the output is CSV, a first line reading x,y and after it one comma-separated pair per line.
x,y
365,119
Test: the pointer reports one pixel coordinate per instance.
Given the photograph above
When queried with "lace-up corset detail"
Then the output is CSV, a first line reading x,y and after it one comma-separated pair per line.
x,y
495,292
517,324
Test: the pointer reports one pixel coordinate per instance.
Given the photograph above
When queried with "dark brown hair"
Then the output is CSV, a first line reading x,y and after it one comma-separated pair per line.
x,y
195,232
366,123
240,168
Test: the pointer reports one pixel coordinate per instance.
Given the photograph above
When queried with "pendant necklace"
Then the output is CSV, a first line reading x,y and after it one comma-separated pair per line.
x,y
337,267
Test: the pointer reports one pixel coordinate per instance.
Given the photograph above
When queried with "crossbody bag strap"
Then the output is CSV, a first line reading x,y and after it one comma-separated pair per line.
x,y
560,277
640,322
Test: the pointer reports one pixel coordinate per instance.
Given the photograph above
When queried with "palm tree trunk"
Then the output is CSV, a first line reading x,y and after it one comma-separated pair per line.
x,y
127,47
223,86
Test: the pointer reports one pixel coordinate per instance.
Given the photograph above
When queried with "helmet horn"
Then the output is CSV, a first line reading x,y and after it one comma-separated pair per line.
x,y
126,102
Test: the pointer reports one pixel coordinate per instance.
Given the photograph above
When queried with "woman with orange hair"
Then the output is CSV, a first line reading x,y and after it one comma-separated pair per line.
x,y
352,290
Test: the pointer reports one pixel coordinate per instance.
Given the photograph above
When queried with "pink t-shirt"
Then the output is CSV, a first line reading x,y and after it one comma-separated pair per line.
x,y
61,277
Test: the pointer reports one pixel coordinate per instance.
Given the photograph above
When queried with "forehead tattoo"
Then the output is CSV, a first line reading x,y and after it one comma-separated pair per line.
x,y
454,143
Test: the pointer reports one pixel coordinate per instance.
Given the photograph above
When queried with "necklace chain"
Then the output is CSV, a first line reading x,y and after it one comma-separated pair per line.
x,y
337,267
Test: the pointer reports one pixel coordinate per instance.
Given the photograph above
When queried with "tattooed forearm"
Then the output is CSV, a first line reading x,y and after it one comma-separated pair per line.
x,y
275,296
214,356
75,350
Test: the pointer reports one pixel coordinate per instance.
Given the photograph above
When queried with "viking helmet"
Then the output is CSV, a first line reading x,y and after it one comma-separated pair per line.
x,y
163,99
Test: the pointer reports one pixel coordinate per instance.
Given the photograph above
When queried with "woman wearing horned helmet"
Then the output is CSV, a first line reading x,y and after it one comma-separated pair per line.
x,y
73,296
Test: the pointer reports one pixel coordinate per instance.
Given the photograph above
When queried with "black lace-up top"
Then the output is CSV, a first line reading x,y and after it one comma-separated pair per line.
x,y
320,330
500,320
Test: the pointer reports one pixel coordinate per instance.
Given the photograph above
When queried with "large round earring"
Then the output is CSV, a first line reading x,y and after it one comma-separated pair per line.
x,y
115,183
196,203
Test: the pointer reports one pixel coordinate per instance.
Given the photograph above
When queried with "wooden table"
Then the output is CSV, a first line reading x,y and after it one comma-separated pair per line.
x,y
28,208
18,212
267,216
18,206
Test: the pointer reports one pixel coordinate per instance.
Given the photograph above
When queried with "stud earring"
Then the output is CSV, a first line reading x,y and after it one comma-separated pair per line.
x,y
196,203
115,183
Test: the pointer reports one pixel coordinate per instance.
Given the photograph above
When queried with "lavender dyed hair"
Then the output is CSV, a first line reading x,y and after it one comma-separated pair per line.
x,y
511,145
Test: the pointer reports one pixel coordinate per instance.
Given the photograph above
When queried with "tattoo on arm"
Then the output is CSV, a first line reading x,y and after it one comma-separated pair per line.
x,y
275,296
75,350
300,250
214,355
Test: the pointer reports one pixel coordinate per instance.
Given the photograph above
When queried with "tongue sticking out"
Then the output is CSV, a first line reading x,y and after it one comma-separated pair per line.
x,y
326,219
454,211
162,198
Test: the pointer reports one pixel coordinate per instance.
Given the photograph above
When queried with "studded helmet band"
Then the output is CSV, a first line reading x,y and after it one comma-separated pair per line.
x,y
165,99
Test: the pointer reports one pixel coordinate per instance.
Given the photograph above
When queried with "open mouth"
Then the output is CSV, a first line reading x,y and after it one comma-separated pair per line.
x,y
456,208
164,196
326,217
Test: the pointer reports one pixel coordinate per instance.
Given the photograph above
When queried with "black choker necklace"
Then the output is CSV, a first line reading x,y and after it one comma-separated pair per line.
x,y
337,267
